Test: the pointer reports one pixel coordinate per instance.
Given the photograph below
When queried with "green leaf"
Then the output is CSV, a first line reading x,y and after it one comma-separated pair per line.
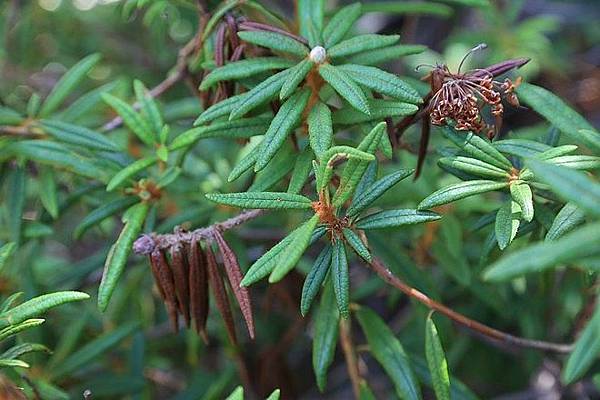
x,y
5,252
392,218
47,191
67,83
576,162
38,305
315,278
381,82
326,333
149,108
436,360
388,352
281,164
302,169
244,69
78,135
365,392
340,277
9,301
474,166
21,349
129,171
85,103
284,122
216,17
460,191
245,164
477,147
408,7
357,244
379,108
15,203
220,109
93,350
237,394
243,128
340,24
591,138
385,54
376,190
131,118
310,15
354,169
557,151
521,194
14,329
101,213
556,111
361,43
133,219
274,395
260,94
567,218
520,147
345,87
335,153
573,246
573,186
587,348
272,200
8,116
507,224
290,257
274,41
320,129
297,74
33,105
13,363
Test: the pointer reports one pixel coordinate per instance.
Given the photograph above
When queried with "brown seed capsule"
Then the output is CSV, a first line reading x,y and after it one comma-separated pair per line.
x,y
234,274
165,280
180,275
218,289
198,288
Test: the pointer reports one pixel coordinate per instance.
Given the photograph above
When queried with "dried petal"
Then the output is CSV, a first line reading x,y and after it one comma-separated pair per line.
x,y
180,275
218,289
165,280
234,274
198,288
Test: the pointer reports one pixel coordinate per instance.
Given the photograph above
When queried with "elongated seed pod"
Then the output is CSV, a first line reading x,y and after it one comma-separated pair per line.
x,y
198,280
180,275
165,280
218,289
234,274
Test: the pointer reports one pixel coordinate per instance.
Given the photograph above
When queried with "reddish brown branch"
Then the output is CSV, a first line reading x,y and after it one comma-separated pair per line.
x,y
381,270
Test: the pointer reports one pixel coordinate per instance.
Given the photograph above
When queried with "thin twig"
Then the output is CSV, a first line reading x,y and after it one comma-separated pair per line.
x,y
380,269
350,356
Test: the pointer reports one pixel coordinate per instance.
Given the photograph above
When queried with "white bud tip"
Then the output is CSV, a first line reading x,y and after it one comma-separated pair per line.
x,y
318,55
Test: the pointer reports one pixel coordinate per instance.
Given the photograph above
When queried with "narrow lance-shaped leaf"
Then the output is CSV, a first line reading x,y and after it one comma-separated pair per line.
x,y
218,289
393,218
244,69
436,360
409,7
14,329
477,147
48,192
345,87
38,305
388,351
325,336
361,43
149,108
376,190
67,83
315,278
289,258
5,252
78,135
567,218
587,348
384,54
576,245
21,349
310,14
129,171
335,153
357,244
15,203
284,122
302,169
297,75
131,118
340,24
474,166
460,191
234,274
219,109
521,194
103,212
258,95
573,186
119,252
379,109
275,41
381,82
273,200
340,277
320,128
507,224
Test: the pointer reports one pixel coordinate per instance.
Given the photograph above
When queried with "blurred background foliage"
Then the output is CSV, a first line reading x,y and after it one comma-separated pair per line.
x,y
129,351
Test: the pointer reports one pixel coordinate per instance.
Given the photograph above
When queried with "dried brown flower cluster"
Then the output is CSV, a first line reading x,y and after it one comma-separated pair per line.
x,y
183,278
462,97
